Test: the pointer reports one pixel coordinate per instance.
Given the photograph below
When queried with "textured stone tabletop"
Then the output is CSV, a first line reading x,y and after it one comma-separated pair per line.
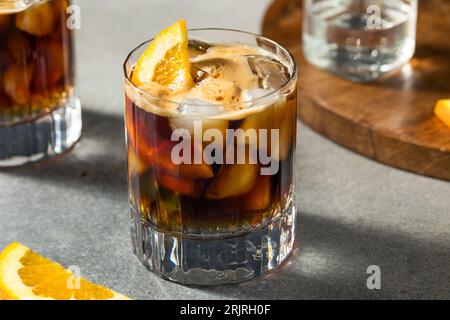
x,y
353,212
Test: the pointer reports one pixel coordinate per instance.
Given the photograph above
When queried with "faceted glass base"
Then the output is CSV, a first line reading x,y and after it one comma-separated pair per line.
x,y
45,137
203,261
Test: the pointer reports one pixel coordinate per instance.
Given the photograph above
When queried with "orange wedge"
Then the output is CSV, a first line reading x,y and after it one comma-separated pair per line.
x,y
25,275
259,197
442,111
160,159
166,61
182,187
233,180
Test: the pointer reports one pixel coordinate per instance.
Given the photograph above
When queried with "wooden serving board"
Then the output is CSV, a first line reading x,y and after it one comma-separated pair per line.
x,y
390,120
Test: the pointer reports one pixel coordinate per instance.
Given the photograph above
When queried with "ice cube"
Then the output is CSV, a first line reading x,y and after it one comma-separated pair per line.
x,y
233,180
200,107
214,66
198,111
183,187
17,83
198,47
259,197
253,94
37,21
260,97
272,117
272,74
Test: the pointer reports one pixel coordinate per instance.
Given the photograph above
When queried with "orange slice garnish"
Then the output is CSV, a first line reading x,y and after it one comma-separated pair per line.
x,y
25,275
442,111
166,61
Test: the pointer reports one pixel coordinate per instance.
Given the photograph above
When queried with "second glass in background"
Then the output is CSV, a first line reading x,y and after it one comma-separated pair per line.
x,y
359,39
40,113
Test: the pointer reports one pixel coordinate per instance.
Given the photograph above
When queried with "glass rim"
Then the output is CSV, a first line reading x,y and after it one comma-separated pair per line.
x,y
265,97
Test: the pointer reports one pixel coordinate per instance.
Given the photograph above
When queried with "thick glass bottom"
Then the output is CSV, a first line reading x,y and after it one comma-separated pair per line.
x,y
358,64
206,261
43,138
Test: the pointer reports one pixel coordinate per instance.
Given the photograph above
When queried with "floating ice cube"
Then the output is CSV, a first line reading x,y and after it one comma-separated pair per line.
x,y
263,97
197,111
199,46
253,94
213,66
38,20
233,180
200,107
272,74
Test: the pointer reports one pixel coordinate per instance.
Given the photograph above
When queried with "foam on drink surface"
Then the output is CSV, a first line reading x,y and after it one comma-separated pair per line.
x,y
229,80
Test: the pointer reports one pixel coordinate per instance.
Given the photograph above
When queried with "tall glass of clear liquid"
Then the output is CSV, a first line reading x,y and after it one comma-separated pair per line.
x,y
359,39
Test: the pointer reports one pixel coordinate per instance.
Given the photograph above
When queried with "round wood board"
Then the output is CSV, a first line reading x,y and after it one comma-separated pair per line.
x,y
390,120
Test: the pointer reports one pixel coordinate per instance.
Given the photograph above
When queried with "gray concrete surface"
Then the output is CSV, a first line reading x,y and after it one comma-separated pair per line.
x,y
353,212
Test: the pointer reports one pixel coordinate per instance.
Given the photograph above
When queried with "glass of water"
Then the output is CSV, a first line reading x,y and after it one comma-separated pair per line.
x,y
359,39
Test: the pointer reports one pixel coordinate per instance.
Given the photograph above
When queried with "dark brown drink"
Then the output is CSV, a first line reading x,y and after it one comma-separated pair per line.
x,y
211,165
36,70
202,199
36,79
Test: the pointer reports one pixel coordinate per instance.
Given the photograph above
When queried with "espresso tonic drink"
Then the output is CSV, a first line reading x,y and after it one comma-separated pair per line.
x,y
211,139
39,113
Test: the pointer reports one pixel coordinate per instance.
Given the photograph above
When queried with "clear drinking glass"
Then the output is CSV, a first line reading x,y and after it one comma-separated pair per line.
x,y
40,113
208,224
359,39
